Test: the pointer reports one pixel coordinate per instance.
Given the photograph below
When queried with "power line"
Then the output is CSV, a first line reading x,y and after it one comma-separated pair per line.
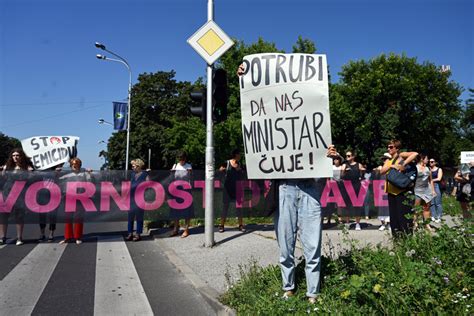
x,y
51,116
52,103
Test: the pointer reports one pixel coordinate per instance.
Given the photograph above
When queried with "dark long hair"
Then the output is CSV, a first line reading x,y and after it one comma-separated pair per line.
x,y
23,163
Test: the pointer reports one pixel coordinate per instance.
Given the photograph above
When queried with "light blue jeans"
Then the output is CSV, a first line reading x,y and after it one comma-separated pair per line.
x,y
299,209
436,204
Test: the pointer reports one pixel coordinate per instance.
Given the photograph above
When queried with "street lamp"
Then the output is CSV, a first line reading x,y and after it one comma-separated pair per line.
x,y
124,62
101,142
102,121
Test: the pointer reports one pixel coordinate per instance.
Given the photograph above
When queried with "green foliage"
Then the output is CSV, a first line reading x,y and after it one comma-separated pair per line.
x,y
421,274
304,46
395,97
6,145
389,96
190,136
158,102
466,125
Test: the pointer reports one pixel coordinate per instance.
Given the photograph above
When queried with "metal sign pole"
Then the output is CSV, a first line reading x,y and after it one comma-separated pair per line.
x,y
209,188
149,158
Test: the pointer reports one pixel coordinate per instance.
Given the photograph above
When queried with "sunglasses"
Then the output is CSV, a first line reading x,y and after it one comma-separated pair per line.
x,y
15,155
432,161
390,146
348,155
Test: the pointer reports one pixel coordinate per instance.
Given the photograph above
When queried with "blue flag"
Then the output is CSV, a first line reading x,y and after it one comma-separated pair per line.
x,y
120,115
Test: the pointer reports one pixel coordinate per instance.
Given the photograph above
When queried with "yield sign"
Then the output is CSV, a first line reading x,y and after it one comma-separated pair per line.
x,y
210,42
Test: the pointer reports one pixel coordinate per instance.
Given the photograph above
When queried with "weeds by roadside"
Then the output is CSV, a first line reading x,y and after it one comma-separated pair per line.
x,y
421,274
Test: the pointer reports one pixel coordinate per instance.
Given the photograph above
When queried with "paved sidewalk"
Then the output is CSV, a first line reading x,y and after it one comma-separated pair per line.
x,y
211,269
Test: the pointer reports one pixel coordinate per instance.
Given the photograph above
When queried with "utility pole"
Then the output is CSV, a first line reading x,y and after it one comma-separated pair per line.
x,y
211,43
209,187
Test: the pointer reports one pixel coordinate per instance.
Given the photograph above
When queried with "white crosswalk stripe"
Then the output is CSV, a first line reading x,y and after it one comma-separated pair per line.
x,y
103,276
22,287
118,290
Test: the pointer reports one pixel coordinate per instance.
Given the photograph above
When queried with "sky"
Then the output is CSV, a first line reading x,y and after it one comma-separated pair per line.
x,y
52,84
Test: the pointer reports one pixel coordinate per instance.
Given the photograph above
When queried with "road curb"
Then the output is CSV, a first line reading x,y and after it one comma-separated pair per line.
x,y
209,294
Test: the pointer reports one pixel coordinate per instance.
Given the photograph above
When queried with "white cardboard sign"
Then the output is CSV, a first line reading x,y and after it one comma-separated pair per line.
x,y
467,156
49,151
285,116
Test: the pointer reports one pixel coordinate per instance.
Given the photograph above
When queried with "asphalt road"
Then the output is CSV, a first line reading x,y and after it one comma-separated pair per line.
x,y
103,276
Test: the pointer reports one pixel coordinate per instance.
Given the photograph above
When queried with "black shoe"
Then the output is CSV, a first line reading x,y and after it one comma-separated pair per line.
x,y
42,238
3,241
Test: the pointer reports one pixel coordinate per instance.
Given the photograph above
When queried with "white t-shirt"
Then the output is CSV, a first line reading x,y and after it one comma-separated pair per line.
x,y
181,171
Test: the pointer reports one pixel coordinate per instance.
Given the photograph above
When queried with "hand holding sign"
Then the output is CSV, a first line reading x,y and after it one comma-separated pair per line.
x,y
50,151
285,115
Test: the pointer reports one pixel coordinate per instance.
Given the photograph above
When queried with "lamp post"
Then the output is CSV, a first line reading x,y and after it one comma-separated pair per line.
x,y
102,121
124,62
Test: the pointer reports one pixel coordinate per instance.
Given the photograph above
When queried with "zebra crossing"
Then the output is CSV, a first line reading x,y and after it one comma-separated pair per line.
x,y
103,276
117,285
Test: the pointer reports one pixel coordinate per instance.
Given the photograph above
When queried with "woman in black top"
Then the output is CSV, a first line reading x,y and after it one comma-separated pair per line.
x,y
233,174
352,171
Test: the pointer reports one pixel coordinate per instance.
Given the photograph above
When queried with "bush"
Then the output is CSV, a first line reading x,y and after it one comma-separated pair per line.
x,y
421,274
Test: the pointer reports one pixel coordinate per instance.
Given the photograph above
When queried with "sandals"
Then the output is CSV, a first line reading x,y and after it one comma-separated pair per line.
x,y
137,238
185,233
129,237
174,233
242,228
221,228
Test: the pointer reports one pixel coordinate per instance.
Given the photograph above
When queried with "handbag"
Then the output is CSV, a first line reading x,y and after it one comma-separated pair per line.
x,y
402,180
442,185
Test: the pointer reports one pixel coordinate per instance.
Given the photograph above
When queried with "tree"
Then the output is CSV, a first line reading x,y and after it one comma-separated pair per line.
x,y
304,46
158,102
395,97
6,145
463,140
228,135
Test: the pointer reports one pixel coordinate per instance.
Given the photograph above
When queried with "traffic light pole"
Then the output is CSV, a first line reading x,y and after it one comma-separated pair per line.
x,y
209,188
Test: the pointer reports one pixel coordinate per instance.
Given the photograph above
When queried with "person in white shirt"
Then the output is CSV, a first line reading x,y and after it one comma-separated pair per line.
x,y
182,171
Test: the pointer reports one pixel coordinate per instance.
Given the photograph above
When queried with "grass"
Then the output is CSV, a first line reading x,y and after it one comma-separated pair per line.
x,y
420,274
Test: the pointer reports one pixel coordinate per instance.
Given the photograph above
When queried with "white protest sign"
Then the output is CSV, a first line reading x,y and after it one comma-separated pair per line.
x,y
467,156
285,116
49,151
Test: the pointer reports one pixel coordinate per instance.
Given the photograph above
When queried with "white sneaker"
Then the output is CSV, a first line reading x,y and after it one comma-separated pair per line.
x,y
78,241
358,227
382,227
19,242
433,219
438,220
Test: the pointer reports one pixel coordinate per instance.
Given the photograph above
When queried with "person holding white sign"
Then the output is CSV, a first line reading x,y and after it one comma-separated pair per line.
x,y
285,122
465,177
74,226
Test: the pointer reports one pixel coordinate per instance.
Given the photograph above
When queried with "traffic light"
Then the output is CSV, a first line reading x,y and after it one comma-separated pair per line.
x,y
200,106
220,95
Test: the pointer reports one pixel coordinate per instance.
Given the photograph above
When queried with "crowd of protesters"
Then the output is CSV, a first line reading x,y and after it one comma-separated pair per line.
x,y
406,209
